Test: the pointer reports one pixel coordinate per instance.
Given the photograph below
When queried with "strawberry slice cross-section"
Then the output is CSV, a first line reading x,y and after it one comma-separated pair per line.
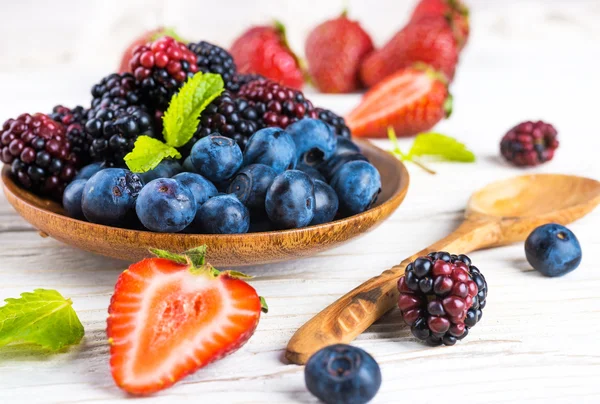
x,y
168,319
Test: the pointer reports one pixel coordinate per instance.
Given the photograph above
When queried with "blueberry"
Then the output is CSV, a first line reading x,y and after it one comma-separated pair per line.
x,y
272,147
326,203
311,171
86,172
290,201
357,185
201,188
223,214
188,167
330,167
342,374
553,250
72,198
315,140
109,196
345,146
216,157
165,169
250,185
165,205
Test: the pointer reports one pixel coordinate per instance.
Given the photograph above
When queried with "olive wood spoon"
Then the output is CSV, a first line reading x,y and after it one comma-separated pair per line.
x,y
501,213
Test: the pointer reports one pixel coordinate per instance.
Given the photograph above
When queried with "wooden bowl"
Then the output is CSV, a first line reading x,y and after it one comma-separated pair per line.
x,y
228,250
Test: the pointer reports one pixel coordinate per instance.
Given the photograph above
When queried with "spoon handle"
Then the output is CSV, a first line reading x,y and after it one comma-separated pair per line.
x,y
351,314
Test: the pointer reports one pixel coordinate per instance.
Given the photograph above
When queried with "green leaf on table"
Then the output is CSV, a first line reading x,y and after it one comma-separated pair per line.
x,y
148,153
181,118
41,317
438,147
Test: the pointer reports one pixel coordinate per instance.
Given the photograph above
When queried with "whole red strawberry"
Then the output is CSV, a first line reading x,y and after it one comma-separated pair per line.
x,y
148,36
430,41
334,51
411,101
264,50
454,10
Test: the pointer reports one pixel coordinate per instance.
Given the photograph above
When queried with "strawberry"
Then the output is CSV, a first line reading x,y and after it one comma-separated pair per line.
x,y
264,50
334,51
454,10
411,101
173,315
148,36
430,41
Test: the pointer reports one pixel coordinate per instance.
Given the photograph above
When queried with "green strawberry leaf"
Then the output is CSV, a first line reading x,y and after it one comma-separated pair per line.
x,y
41,317
147,153
264,307
180,120
178,258
438,147
433,147
197,255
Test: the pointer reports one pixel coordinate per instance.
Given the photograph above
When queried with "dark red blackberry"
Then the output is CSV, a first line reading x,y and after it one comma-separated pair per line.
x,y
74,121
214,59
230,116
441,297
337,122
529,143
276,104
116,91
111,133
160,68
39,153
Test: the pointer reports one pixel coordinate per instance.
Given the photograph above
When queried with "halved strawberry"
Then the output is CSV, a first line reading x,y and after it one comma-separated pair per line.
x,y
411,101
171,316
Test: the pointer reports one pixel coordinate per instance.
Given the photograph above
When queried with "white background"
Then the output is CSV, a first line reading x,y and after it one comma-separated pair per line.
x,y
538,339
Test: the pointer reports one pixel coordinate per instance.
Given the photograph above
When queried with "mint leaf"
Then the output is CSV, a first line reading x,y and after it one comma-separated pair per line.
x,y
440,147
181,119
41,317
147,153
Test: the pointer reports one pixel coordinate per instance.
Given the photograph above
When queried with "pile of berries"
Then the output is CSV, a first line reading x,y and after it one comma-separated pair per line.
x,y
285,178
441,297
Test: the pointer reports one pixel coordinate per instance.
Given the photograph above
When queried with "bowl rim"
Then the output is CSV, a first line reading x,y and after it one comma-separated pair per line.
x,y
396,198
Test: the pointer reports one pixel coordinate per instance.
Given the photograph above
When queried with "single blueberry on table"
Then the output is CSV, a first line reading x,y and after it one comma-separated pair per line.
x,y
330,167
315,140
357,185
290,201
165,169
326,203
165,205
272,147
311,171
553,250
86,172
342,374
250,185
109,196
201,188
216,157
72,198
222,214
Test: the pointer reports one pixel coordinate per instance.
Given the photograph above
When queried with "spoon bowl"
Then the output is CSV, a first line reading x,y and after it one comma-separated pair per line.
x,y
503,212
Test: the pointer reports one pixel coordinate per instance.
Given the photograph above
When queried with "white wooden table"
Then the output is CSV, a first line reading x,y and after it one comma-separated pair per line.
x,y
537,342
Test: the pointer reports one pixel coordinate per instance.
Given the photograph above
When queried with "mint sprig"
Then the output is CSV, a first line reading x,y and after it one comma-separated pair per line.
x,y
43,317
180,122
432,147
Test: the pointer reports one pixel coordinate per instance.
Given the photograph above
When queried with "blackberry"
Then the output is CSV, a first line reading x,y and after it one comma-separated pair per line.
x,y
214,59
276,104
160,68
39,153
243,79
337,122
74,121
529,144
116,91
111,133
231,116
441,297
